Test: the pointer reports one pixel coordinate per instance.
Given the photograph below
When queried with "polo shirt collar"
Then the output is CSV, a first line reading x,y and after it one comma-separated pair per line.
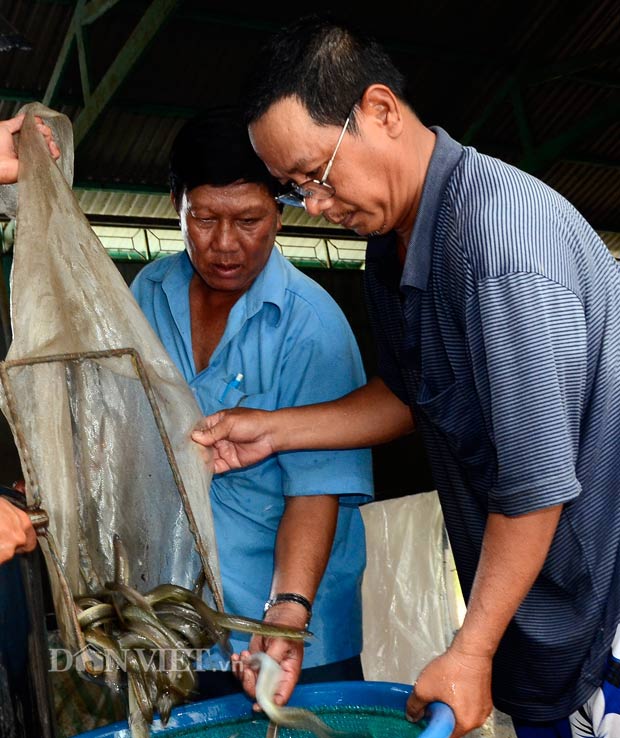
x,y
445,157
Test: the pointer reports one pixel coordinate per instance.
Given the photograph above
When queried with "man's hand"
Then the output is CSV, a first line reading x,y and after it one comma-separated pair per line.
x,y
289,654
462,681
369,415
16,532
238,437
9,163
513,553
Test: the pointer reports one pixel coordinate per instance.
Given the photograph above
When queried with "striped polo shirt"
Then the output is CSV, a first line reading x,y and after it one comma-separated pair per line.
x,y
502,332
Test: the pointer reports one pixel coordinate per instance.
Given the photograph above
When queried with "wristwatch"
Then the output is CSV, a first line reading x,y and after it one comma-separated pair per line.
x,y
289,597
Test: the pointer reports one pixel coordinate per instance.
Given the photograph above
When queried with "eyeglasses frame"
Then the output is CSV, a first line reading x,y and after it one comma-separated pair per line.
x,y
296,196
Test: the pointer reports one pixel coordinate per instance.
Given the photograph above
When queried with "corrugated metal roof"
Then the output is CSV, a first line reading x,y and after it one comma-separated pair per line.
x,y
612,241
125,204
137,206
557,62
592,188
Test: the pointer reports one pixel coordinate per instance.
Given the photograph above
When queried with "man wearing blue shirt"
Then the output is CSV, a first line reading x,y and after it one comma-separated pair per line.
x,y
496,309
247,328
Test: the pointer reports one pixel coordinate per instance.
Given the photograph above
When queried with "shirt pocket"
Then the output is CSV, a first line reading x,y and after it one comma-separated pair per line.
x,y
238,397
228,396
460,423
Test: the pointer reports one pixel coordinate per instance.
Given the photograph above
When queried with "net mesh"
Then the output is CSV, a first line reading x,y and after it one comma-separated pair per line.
x,y
375,722
100,414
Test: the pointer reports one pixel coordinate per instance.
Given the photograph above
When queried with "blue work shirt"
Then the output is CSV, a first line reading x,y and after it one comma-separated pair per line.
x,y
293,345
502,331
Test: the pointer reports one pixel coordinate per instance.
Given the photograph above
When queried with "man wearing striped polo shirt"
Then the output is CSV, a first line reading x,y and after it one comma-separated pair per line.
x,y
496,309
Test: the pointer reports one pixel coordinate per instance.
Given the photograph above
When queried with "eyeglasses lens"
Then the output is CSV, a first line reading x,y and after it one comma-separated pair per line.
x,y
291,198
298,193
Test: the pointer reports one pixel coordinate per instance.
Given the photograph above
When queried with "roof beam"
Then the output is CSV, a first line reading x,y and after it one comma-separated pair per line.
x,y
83,15
525,134
150,23
591,161
513,87
83,63
63,56
95,101
573,65
505,91
208,16
95,9
159,110
555,148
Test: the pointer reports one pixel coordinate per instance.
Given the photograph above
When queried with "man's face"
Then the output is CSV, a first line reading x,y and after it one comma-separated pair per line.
x,y
296,149
229,232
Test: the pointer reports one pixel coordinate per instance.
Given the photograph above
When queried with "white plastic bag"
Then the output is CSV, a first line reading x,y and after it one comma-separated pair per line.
x,y
412,602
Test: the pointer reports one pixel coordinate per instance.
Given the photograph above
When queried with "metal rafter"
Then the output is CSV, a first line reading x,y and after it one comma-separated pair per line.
x,y
95,101
95,9
159,110
83,15
534,159
63,56
83,62
592,161
573,65
555,148
597,80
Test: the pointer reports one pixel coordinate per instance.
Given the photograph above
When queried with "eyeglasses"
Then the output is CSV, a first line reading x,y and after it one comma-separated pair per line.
x,y
318,189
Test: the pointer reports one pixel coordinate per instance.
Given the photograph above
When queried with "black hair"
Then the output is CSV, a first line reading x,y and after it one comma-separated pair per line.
x,y
325,63
214,148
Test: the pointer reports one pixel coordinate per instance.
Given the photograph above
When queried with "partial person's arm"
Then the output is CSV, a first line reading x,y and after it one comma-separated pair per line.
x,y
368,416
303,545
16,532
514,550
9,162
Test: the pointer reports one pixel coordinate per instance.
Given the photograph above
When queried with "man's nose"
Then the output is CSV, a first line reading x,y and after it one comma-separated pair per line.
x,y
226,238
316,207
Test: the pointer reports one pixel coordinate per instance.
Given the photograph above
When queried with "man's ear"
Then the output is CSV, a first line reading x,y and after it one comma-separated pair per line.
x,y
383,107
174,202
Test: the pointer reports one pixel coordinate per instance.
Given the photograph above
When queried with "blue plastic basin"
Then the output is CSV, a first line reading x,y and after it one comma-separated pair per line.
x,y
439,719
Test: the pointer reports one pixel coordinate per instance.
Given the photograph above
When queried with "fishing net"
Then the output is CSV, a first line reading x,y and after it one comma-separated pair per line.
x,y
100,415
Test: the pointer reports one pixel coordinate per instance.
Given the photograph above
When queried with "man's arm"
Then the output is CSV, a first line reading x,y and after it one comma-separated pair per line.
x,y
303,545
370,415
514,550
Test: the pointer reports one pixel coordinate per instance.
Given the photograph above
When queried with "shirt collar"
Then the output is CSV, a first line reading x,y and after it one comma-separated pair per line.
x,y
177,275
175,278
446,155
269,287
